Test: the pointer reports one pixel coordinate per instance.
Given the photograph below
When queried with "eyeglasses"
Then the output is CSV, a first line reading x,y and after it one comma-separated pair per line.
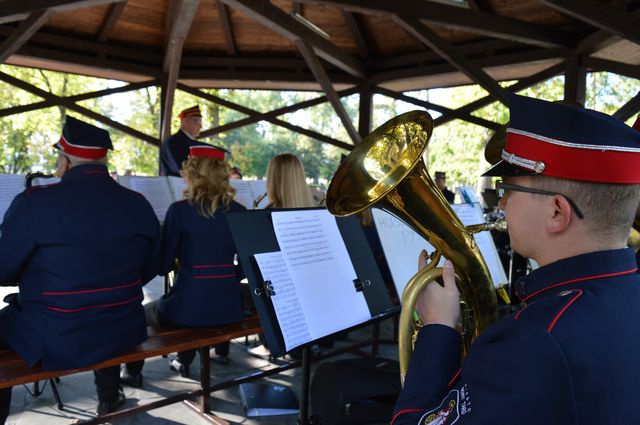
x,y
502,189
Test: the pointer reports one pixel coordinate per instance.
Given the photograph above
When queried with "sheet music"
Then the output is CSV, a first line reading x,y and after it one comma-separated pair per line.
x,y
177,185
401,245
285,301
259,188
244,195
321,269
10,186
155,189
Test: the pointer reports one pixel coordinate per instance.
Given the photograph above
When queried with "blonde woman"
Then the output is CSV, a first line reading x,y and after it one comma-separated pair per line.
x,y
206,290
286,183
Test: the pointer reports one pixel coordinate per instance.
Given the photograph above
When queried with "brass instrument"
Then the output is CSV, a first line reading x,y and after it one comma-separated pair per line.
x,y
30,177
259,199
387,170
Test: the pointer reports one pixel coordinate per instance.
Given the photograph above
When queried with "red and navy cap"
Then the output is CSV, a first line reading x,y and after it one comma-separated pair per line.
x,y
203,150
568,142
194,111
83,140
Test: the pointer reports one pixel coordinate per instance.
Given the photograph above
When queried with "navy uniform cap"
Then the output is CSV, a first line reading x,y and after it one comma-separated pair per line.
x,y
568,142
83,140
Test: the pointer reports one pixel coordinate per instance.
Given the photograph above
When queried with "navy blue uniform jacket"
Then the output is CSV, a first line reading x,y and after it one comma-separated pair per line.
x,y
173,152
206,291
570,356
80,252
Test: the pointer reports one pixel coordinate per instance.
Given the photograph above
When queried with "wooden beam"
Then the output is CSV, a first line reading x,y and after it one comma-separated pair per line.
x,y
458,18
110,20
366,107
575,81
437,44
227,30
252,119
596,64
58,100
355,28
278,21
627,110
600,15
532,80
23,33
186,11
275,121
442,109
17,10
323,79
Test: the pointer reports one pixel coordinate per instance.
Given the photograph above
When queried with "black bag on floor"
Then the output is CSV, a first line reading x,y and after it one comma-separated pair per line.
x,y
355,391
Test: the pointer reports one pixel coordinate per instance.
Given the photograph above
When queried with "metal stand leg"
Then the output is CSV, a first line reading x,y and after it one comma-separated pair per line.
x,y
303,418
375,346
56,395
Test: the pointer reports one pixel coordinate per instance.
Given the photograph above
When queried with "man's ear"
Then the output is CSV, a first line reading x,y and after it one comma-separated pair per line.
x,y
560,216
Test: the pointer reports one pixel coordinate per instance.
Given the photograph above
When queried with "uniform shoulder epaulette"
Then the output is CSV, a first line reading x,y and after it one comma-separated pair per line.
x,y
547,311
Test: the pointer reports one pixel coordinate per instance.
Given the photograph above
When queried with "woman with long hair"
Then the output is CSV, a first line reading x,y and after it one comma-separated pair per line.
x,y
196,238
287,184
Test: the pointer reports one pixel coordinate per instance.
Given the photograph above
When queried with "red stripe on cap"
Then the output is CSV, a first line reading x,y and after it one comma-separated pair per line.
x,y
82,152
574,163
206,152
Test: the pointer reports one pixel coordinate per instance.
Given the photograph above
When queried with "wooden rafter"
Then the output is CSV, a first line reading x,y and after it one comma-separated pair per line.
x,y
186,11
532,80
272,120
596,64
442,109
431,39
280,22
17,10
227,29
600,15
110,20
265,116
77,98
325,82
575,80
355,28
23,33
459,18
627,110
58,100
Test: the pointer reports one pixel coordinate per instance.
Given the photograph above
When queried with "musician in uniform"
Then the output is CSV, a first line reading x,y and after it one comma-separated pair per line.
x,y
441,182
570,354
79,251
206,291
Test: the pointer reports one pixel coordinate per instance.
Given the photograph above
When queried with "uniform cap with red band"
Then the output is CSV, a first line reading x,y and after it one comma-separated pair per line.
x,y
83,140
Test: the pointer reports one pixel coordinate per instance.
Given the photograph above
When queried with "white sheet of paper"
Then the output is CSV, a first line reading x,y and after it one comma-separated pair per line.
x,y
243,193
285,301
321,269
259,188
401,245
177,185
155,189
10,186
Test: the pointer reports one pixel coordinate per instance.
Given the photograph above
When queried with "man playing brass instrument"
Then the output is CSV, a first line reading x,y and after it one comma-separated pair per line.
x,y
570,355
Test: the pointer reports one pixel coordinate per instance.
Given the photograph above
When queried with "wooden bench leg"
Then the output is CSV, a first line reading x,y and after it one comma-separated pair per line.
x,y
202,407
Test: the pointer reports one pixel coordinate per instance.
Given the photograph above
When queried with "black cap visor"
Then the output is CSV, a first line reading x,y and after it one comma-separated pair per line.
x,y
503,168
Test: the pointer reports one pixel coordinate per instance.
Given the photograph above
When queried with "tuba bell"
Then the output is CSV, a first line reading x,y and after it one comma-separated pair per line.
x,y
386,170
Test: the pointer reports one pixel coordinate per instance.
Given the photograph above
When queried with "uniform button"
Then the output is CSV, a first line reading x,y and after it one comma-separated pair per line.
x,y
565,293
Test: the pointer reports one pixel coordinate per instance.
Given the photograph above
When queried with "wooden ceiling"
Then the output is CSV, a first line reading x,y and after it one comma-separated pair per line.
x,y
365,46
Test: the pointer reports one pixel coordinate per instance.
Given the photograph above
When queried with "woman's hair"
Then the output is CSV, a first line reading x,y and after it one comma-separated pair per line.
x,y
286,183
208,185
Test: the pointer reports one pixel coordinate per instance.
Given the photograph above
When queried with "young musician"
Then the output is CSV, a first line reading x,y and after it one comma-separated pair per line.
x,y
79,251
286,183
570,356
196,236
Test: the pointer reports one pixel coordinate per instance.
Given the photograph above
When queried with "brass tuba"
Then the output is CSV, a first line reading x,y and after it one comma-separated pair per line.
x,y
386,170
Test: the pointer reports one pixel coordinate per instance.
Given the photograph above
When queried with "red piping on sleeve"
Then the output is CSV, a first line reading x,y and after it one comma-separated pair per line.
x,y
561,312
210,266
75,310
222,276
454,377
402,412
88,291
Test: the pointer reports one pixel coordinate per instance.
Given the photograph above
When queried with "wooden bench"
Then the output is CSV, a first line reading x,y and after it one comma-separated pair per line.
x,y
162,340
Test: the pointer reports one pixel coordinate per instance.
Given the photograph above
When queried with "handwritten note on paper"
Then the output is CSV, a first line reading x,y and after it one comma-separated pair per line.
x,y
12,184
321,269
285,301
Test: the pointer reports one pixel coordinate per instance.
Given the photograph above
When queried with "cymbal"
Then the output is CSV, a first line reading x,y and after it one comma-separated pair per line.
x,y
493,150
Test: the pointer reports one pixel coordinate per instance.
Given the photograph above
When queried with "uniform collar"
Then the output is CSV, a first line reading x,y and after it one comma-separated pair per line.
x,y
82,170
556,277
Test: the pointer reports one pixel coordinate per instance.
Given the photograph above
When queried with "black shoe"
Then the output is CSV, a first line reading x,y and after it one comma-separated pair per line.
x,y
129,380
179,367
105,407
222,360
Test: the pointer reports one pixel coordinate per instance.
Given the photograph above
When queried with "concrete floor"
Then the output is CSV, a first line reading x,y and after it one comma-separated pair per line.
x,y
78,392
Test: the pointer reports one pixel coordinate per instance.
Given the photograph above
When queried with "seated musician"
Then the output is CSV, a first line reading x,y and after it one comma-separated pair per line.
x,y
79,251
570,355
206,291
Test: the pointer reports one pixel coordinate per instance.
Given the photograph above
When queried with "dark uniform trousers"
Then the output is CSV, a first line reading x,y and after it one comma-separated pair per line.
x,y
569,357
5,394
80,252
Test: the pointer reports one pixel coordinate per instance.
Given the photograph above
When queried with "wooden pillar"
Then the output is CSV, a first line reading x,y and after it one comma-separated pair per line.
x,y
366,106
575,80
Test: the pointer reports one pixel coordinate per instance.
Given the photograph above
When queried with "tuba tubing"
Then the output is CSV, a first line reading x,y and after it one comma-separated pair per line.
x,y
386,170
